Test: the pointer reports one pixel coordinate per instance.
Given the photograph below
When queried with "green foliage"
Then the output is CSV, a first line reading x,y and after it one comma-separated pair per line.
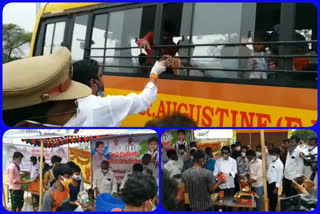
x,y
13,38
143,147
304,134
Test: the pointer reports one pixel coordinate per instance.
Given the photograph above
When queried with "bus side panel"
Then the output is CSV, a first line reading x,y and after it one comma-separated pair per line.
x,y
222,105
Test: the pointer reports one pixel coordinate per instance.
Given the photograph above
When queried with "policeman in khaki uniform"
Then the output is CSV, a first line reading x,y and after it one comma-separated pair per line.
x,y
39,91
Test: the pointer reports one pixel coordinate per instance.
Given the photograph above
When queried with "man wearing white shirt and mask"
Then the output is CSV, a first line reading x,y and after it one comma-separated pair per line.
x,y
274,177
255,172
104,180
293,167
228,166
110,111
268,155
310,157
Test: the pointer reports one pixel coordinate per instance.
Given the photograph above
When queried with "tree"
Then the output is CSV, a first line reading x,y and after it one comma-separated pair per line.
x,y
304,134
13,38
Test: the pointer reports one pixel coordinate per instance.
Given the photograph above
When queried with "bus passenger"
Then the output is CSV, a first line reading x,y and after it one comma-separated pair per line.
x,y
110,111
147,42
259,50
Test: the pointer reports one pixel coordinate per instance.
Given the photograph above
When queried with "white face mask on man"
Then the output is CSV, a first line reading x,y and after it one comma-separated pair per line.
x,y
274,157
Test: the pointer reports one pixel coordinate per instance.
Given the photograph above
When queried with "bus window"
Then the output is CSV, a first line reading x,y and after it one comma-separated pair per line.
x,y
98,39
54,36
171,35
306,26
124,29
237,26
78,37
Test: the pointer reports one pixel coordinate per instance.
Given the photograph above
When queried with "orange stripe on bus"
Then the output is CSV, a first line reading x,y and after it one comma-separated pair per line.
x,y
252,94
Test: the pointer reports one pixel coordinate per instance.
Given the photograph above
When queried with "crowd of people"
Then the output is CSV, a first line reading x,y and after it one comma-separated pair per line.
x,y
63,185
198,173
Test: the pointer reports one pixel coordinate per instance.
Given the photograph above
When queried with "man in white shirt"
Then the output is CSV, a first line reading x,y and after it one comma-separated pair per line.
x,y
228,166
130,147
274,177
310,157
34,169
293,167
110,111
98,157
255,173
104,180
174,166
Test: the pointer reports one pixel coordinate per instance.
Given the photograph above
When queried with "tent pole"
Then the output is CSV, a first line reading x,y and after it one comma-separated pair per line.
x,y
4,197
250,139
41,169
264,171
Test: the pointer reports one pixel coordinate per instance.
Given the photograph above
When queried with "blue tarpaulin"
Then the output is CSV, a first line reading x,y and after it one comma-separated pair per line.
x,y
106,202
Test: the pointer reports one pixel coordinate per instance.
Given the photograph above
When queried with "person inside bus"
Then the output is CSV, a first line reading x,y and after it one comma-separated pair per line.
x,y
33,98
146,43
260,63
110,111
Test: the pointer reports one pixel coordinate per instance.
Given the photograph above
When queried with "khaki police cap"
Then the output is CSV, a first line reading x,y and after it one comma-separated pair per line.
x,y
40,79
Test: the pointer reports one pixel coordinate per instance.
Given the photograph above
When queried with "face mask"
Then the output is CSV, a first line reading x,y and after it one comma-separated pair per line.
x,y
100,92
237,148
76,177
105,170
78,120
258,154
274,157
243,154
66,181
181,151
225,156
163,150
18,162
